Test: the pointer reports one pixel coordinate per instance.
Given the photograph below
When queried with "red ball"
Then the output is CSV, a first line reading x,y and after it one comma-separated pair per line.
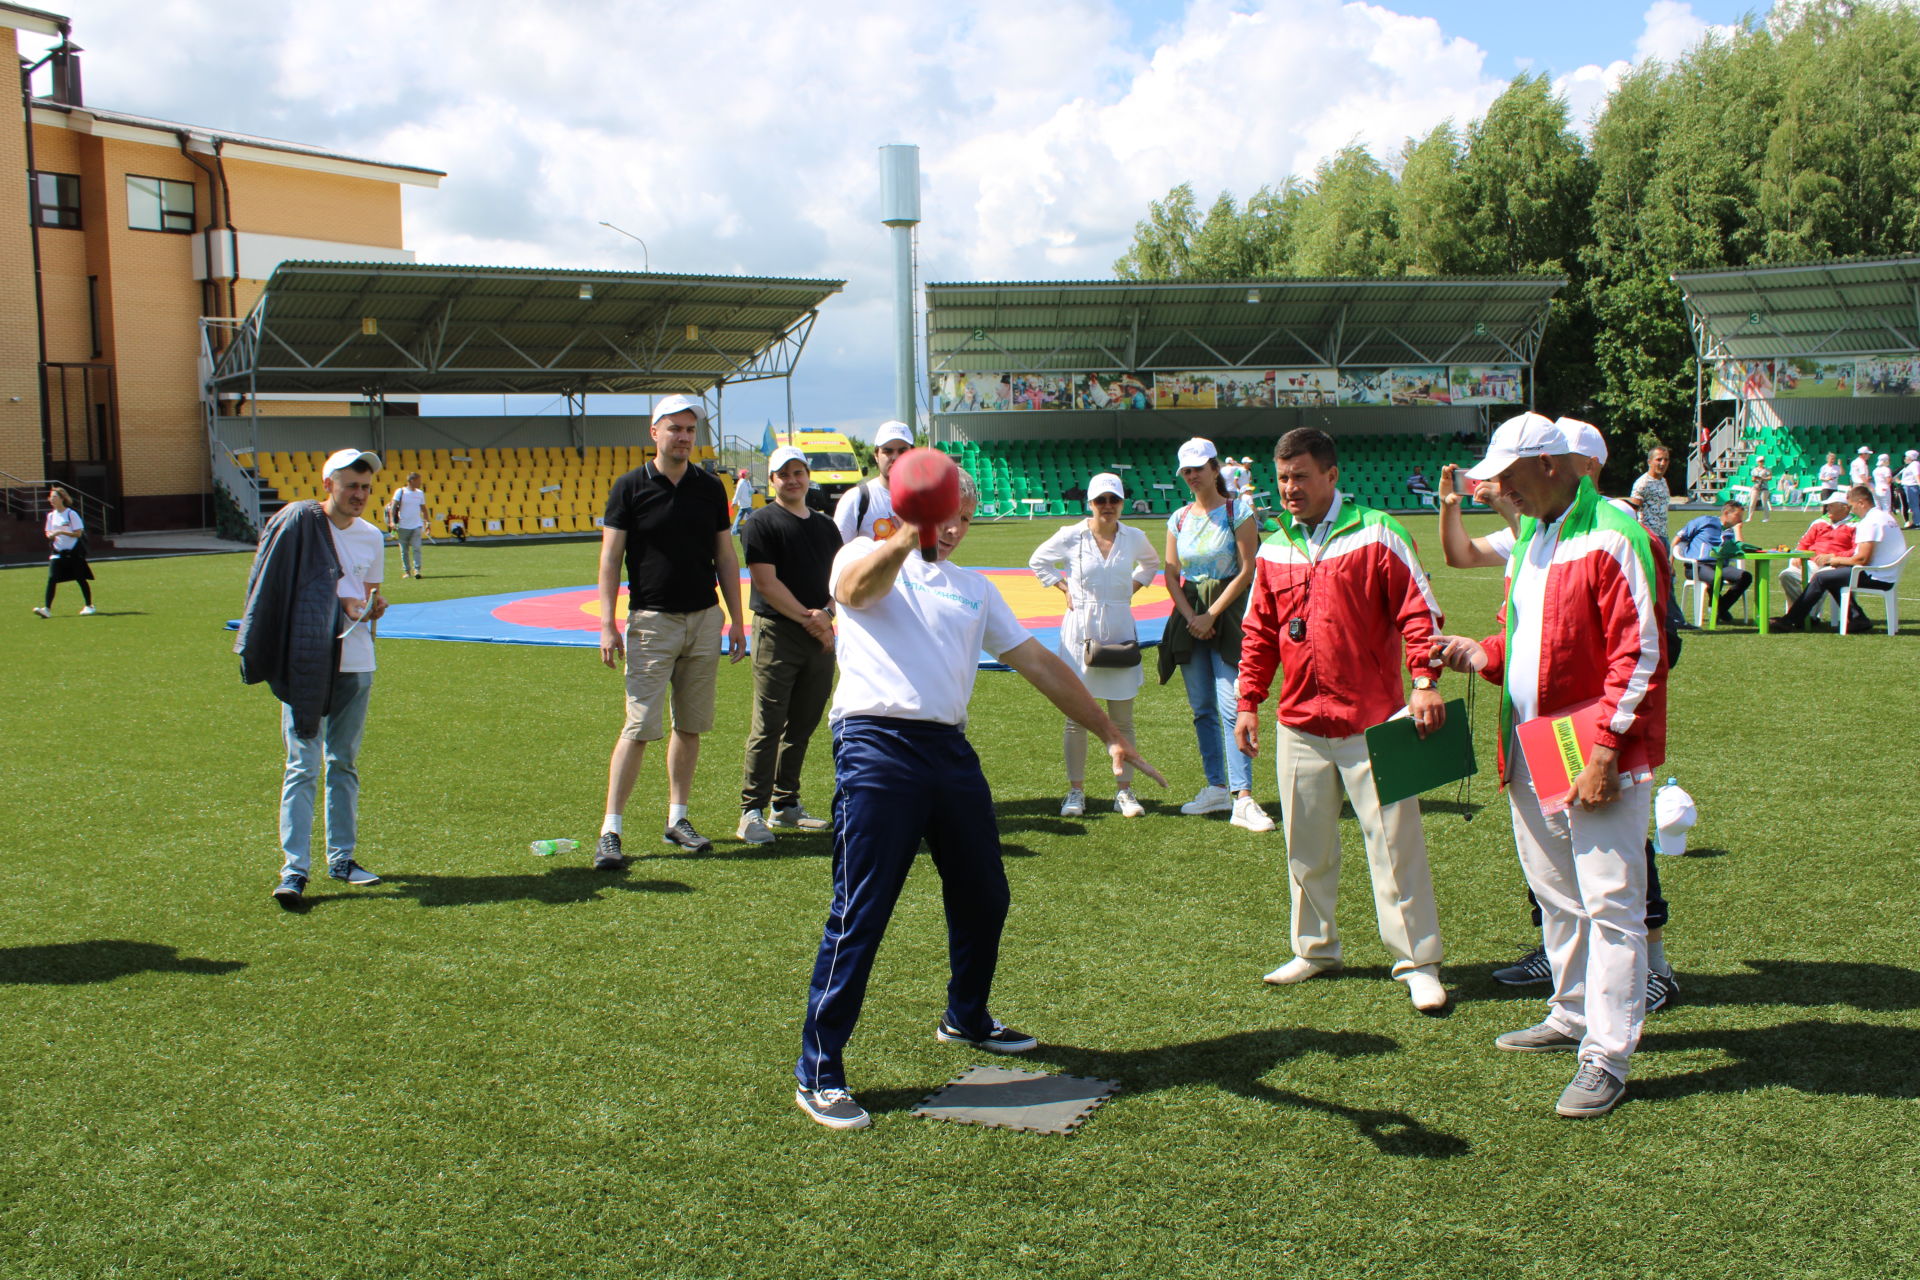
x,y
925,487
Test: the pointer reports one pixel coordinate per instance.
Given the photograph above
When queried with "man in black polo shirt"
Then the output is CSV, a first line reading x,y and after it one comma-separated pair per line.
x,y
789,551
669,521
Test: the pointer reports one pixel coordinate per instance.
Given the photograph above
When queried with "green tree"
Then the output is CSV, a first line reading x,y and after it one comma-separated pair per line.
x,y
1343,225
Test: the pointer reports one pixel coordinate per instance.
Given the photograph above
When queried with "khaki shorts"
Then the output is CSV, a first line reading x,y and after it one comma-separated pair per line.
x,y
671,651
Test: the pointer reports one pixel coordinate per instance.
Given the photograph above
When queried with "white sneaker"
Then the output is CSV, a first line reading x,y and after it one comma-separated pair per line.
x,y
45,613
1427,993
1211,799
1125,805
1298,969
752,829
88,610
1248,813
1075,805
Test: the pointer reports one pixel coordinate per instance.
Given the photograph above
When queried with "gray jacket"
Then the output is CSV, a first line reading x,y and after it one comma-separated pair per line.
x,y
289,629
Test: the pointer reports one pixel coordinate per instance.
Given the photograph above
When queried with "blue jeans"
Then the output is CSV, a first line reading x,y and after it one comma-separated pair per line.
x,y
1212,692
1913,502
337,746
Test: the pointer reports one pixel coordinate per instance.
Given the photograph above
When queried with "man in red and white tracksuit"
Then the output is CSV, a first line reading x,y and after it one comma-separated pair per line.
x,y
1337,593
1586,595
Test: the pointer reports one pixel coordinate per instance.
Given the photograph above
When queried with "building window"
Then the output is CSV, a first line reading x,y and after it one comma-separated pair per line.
x,y
56,200
159,204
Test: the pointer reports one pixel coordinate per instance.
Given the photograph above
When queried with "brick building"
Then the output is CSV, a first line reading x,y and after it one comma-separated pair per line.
x,y
134,228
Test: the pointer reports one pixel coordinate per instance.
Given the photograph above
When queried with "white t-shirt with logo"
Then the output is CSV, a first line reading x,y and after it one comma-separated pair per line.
x,y
913,653
1878,527
878,523
412,504
363,560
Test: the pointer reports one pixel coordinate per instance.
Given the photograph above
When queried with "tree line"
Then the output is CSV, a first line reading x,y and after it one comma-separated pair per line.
x,y
1796,139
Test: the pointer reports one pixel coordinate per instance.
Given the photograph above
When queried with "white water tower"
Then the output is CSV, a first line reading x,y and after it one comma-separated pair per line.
x,y
900,210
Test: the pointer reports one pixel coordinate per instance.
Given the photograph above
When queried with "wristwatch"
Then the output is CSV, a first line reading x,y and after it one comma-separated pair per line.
x,y
1425,682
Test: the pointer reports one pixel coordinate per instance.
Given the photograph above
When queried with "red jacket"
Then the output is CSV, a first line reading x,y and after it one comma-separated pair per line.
x,y
1361,598
1603,627
1834,538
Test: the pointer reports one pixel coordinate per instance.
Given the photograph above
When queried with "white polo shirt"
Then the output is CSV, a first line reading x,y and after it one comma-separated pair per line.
x,y
913,653
1879,528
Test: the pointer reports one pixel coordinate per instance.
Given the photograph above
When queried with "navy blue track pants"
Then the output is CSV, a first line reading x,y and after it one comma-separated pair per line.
x,y
900,782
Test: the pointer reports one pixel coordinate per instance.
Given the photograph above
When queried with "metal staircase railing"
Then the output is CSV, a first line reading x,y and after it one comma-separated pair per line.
x,y
27,500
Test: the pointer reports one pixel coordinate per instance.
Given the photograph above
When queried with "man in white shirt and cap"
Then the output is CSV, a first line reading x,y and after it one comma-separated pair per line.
x,y
1583,623
911,634
866,510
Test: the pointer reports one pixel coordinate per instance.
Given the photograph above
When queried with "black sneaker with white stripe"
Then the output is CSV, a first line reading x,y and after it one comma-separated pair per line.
x,y
834,1108
1528,969
1001,1039
1661,989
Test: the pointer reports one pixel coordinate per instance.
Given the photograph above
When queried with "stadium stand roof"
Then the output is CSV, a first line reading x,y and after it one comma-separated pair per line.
x,y
421,328
1835,308
1139,326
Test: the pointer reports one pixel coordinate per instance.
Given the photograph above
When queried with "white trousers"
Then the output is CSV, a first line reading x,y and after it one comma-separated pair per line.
x,y
1588,871
1314,773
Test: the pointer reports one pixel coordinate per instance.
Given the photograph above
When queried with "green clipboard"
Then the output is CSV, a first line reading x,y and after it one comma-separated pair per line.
x,y
1406,764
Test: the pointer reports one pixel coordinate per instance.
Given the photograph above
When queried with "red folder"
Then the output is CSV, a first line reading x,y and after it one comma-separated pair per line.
x,y
1558,746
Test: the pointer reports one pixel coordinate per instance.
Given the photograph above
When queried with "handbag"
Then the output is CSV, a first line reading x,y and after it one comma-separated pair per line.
x,y
1108,653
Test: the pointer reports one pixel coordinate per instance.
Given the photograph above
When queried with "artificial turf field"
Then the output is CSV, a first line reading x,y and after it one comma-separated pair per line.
x,y
494,1065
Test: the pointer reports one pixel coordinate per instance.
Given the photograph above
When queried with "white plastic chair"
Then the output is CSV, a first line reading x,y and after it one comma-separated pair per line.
x,y
1887,573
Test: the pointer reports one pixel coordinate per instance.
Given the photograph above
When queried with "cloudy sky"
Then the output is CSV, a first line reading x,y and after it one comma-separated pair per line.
x,y
740,136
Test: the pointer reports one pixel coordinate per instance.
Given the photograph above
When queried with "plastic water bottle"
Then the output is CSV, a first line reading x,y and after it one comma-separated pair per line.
x,y
547,848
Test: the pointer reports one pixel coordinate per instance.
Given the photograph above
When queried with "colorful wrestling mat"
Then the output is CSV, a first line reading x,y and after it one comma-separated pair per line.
x,y
571,616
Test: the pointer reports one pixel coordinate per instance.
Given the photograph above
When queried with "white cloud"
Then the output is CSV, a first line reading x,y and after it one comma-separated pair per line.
x,y
742,137
1670,30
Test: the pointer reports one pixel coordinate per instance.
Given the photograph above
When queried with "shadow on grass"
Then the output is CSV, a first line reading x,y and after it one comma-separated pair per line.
x,y
73,963
1237,1063
558,886
1040,814
1877,988
1812,1057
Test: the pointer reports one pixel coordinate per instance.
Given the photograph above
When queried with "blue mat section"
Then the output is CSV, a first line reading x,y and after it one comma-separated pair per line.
x,y
476,620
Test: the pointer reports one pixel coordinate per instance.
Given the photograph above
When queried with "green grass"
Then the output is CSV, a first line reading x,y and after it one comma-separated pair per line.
x,y
496,1066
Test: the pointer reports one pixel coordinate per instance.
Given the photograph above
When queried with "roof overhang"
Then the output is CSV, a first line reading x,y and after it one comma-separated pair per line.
x,y
1827,309
38,21
230,146
1138,326
423,328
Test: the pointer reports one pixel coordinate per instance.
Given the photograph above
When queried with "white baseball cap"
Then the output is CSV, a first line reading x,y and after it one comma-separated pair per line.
x,y
1865,452
1838,495
892,433
1584,439
1247,461
1913,455
343,458
679,404
1104,483
1527,436
1197,452
782,456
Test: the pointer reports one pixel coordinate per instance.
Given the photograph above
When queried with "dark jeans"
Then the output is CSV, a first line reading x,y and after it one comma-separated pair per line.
x,y
1733,582
902,782
792,680
1825,583
1656,905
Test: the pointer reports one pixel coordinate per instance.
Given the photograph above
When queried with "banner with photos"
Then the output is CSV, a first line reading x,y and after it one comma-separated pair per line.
x,y
1816,378
1280,388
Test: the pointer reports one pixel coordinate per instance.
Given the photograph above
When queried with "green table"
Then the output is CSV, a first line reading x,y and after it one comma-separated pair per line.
x,y
1762,562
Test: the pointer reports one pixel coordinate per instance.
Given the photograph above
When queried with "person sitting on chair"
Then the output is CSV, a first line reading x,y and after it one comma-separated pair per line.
x,y
1877,544
1831,534
1702,542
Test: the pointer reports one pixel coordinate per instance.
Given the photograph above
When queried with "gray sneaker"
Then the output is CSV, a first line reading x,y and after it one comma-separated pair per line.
x,y
752,829
797,817
834,1108
1593,1092
683,834
1539,1038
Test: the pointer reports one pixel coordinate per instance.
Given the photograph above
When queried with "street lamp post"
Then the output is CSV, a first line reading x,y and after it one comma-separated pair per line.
x,y
645,257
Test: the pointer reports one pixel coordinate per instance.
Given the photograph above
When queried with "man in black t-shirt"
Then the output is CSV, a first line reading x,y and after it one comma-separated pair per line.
x,y
789,551
669,522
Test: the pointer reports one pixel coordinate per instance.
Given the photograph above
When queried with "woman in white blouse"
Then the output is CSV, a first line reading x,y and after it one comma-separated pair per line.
x,y
68,561
1098,564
